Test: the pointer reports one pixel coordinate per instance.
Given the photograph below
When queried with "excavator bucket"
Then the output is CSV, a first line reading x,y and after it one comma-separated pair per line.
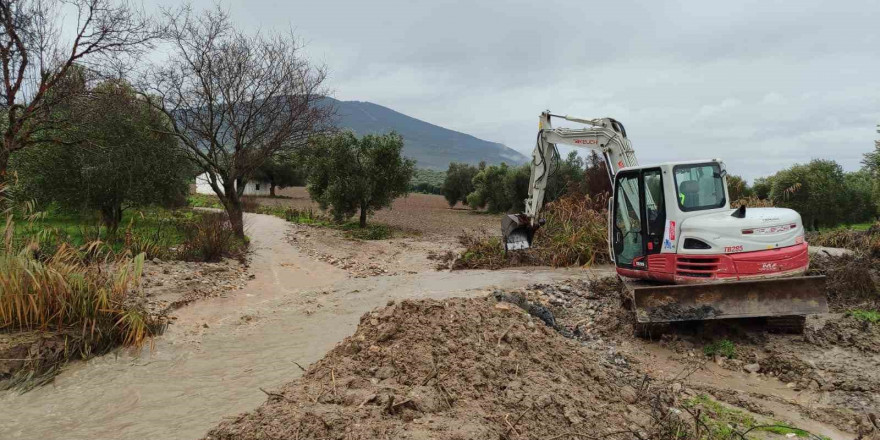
x,y
797,296
517,232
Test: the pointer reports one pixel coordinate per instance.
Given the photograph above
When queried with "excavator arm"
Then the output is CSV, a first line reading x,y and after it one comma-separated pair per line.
x,y
605,135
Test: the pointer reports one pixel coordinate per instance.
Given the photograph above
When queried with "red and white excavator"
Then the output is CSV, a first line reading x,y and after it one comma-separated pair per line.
x,y
672,224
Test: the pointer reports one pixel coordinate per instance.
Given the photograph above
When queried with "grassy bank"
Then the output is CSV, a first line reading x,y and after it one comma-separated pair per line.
x,y
713,420
69,287
181,234
76,300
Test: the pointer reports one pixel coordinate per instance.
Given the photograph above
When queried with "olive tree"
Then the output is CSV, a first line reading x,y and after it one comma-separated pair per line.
x,y
458,183
39,48
119,157
281,171
235,100
348,174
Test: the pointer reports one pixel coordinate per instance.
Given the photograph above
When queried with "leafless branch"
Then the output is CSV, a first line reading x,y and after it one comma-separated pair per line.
x,y
36,57
234,99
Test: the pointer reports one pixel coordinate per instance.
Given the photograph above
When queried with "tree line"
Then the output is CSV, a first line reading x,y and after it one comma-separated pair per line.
x,y
83,132
504,188
823,194
820,191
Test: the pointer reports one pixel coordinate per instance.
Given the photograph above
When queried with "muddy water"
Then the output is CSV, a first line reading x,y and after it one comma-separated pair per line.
x,y
214,360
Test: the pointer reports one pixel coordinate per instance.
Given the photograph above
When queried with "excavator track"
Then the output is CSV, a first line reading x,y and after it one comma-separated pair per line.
x,y
783,297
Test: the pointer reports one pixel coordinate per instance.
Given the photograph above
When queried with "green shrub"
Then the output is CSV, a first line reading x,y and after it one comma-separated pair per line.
x,y
204,201
724,348
370,232
872,316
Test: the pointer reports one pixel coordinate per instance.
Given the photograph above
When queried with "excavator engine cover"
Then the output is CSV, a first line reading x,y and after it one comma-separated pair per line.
x,y
797,296
517,231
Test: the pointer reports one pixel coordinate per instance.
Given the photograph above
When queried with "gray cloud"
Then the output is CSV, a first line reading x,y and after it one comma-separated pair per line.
x,y
761,84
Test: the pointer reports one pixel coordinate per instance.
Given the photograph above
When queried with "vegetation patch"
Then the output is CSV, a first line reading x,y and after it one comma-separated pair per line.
x,y
723,348
204,201
80,297
575,234
717,421
871,316
863,239
352,229
427,181
210,237
156,232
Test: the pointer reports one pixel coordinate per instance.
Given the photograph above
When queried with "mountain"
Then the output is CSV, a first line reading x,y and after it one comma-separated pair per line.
x,y
430,145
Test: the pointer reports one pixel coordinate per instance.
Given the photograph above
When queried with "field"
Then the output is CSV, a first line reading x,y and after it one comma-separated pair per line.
x,y
424,213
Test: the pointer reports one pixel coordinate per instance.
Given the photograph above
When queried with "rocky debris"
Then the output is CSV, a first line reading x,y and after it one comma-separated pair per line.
x,y
752,368
168,285
301,238
587,310
445,259
459,368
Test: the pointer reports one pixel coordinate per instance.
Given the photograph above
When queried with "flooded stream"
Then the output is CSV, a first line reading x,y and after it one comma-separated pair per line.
x,y
213,361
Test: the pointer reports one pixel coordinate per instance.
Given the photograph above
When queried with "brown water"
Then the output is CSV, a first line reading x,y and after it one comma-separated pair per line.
x,y
213,361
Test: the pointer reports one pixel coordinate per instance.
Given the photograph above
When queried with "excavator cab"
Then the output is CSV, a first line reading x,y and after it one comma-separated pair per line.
x,y
672,224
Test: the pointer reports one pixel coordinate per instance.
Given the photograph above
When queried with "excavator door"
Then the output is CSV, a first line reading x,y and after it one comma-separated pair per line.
x,y
638,217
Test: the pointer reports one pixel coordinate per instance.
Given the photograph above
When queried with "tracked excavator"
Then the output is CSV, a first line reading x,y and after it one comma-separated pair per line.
x,y
673,235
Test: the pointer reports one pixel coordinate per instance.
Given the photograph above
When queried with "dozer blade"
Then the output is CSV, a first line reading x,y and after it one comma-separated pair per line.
x,y
739,299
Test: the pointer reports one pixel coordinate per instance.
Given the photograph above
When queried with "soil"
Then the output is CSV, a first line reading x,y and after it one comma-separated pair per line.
x,y
427,214
457,369
825,379
367,258
169,285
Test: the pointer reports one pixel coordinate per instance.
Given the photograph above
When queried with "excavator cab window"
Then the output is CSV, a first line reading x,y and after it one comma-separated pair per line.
x,y
655,210
699,186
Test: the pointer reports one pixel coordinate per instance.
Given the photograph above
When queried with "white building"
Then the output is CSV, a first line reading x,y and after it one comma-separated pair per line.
x,y
252,188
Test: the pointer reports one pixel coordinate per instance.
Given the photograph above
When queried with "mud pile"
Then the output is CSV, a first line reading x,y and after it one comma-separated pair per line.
x,y
852,281
453,369
846,331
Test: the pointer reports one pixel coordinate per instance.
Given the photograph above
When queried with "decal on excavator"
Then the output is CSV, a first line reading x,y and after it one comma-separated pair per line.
x,y
669,235
586,141
732,249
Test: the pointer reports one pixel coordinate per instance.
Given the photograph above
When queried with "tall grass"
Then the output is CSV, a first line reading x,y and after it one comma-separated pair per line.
x,y
85,291
862,241
210,237
575,234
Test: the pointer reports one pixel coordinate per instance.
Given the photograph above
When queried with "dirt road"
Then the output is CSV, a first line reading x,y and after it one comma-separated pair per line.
x,y
213,361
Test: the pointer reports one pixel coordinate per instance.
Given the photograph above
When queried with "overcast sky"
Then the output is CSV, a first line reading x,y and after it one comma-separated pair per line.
x,y
760,84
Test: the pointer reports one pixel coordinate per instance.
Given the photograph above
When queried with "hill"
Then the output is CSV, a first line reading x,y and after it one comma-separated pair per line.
x,y
431,145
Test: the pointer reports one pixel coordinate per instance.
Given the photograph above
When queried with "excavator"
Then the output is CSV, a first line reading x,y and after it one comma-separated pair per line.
x,y
685,253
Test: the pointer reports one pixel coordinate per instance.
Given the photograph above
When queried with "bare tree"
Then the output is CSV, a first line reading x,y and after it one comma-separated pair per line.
x,y
37,53
235,100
